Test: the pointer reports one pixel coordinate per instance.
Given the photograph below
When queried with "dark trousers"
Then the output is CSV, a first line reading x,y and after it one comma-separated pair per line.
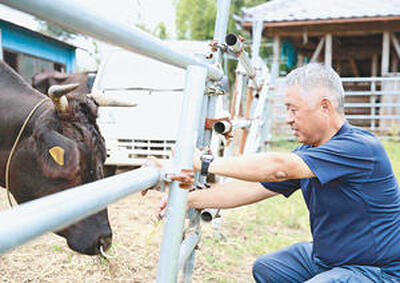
x,y
296,264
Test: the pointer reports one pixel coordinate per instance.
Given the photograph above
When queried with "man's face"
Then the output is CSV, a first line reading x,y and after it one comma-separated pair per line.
x,y
304,115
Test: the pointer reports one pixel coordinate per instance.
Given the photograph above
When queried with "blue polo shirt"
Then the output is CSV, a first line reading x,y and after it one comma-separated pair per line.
x,y
354,201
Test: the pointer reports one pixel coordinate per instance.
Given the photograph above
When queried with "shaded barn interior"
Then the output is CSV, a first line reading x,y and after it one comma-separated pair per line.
x,y
29,52
359,39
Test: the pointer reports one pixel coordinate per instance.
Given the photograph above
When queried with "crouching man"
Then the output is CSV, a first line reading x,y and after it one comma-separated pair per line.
x,y
347,182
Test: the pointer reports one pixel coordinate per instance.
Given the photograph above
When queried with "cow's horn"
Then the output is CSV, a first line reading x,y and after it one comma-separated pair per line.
x,y
103,100
57,94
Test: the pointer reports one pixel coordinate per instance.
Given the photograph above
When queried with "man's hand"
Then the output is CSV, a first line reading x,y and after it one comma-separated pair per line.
x,y
162,208
152,161
196,160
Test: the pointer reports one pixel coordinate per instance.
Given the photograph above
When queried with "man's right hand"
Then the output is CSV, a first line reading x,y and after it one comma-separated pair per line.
x,y
162,208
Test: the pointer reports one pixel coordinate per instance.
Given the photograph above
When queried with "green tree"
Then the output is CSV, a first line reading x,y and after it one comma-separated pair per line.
x,y
161,31
196,19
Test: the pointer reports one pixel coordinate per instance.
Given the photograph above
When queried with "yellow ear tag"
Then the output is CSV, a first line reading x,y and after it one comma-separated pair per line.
x,y
58,155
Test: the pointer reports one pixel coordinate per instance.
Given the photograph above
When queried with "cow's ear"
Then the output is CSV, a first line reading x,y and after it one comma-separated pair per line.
x,y
58,156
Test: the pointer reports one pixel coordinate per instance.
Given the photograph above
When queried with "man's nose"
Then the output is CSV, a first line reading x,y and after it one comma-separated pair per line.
x,y
289,119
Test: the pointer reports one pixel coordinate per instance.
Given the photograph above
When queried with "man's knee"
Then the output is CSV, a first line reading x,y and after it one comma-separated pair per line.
x,y
261,269
281,266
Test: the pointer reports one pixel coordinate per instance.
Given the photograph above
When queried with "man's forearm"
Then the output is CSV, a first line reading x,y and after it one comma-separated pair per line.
x,y
229,195
267,167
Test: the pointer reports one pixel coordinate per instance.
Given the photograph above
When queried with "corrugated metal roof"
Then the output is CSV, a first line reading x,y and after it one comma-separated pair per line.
x,y
309,10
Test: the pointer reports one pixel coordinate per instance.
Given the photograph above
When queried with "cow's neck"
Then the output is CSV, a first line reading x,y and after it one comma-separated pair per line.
x,y
17,99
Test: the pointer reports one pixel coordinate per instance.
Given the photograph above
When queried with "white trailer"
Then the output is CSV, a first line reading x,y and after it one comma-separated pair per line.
x,y
134,133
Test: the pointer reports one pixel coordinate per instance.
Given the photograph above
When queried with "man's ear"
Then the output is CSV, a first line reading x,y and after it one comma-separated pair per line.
x,y
326,105
58,156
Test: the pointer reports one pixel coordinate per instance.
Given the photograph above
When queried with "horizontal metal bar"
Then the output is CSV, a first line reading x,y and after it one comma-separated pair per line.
x,y
70,15
353,117
369,79
368,117
370,93
352,93
54,212
242,123
368,105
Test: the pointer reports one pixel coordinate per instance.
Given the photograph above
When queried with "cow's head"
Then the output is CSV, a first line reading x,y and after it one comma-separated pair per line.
x,y
44,80
65,149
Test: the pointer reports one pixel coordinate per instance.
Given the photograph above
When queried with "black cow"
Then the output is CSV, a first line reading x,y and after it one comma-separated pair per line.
x,y
61,147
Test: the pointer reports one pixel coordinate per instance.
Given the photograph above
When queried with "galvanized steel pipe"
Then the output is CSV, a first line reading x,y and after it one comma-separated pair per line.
x,y
237,47
70,15
187,247
185,144
57,211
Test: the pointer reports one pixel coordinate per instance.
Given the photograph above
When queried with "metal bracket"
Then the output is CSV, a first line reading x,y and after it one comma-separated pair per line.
x,y
185,178
214,90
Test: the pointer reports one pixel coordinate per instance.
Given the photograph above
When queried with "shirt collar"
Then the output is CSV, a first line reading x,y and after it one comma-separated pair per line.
x,y
343,128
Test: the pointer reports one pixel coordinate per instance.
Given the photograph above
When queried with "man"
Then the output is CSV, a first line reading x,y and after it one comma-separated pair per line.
x,y
346,180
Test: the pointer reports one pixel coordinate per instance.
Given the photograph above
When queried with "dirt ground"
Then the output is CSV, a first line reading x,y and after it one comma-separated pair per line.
x,y
136,240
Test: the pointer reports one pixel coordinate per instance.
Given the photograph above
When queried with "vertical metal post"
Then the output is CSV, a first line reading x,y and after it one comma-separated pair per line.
x,y
219,35
257,29
385,53
374,65
328,50
257,35
209,108
174,222
221,25
275,59
372,100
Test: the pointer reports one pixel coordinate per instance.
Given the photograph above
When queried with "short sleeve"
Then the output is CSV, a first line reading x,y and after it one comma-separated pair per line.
x,y
340,158
286,188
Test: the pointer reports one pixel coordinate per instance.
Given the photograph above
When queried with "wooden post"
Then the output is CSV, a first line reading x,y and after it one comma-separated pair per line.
x,y
318,50
328,50
385,53
374,65
247,112
275,59
393,64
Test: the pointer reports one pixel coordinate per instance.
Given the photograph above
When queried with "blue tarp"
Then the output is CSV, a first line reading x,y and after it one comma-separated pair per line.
x,y
289,52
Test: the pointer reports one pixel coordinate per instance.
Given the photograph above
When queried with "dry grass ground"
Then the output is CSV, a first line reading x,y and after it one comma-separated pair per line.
x,y
136,241
249,232
137,237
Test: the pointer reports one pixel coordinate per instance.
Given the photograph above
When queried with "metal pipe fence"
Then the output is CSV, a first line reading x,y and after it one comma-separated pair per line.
x,y
174,254
57,211
177,198
70,15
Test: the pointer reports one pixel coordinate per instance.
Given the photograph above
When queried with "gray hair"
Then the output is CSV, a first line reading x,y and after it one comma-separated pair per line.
x,y
315,75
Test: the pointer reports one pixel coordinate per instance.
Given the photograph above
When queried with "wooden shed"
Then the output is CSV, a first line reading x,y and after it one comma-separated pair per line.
x,y
358,38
